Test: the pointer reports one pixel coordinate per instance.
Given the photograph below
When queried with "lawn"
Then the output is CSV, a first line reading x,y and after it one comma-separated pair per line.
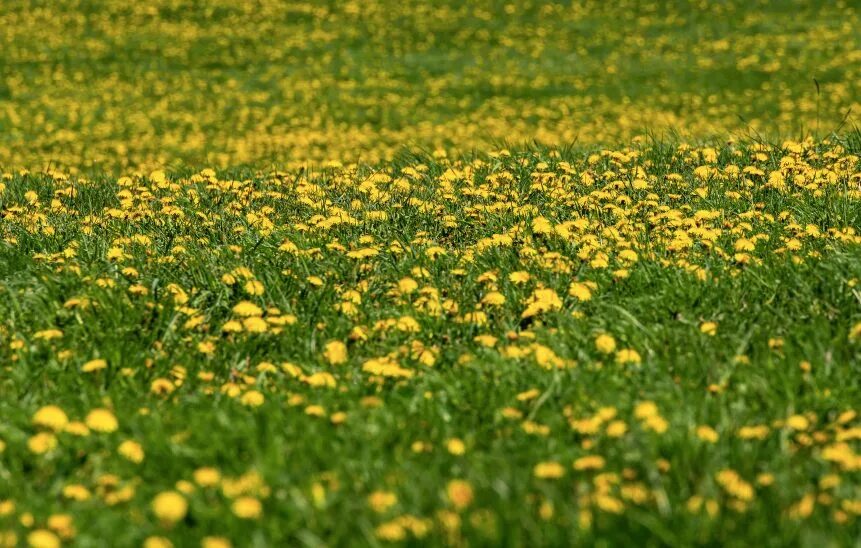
x,y
379,273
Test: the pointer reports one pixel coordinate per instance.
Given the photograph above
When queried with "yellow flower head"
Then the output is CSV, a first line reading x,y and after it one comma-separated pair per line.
x,y
101,420
335,352
605,343
94,365
459,493
169,506
51,417
247,508
247,309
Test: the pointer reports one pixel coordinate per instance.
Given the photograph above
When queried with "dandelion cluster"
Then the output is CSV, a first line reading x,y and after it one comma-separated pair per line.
x,y
124,85
239,343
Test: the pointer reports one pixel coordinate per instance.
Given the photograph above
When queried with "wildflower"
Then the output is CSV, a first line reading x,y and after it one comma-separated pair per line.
x,y
380,501
252,398
528,395
707,434
206,347
391,532
157,542
589,462
521,277
207,476
798,422
617,429
335,352
101,420
255,325
254,287
51,417
43,538
408,324
708,328
132,451
407,286
162,386
169,506
320,379
42,442
247,309
645,409
580,291
628,355
455,446
459,493
94,365
247,508
548,470
605,343
541,300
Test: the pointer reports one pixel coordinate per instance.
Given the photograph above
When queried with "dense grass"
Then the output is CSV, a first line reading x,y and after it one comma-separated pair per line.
x,y
115,86
372,273
782,355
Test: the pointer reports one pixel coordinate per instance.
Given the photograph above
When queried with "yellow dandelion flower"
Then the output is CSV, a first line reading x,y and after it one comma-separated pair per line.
x,y
215,542
94,365
42,443
254,287
455,446
77,428
548,470
519,277
207,476
157,542
407,286
580,291
255,325
206,347
605,343
709,328
101,420
459,493
51,417
169,506
494,298
628,355
616,429
252,398
380,501
132,451
707,433
247,309
320,379
335,352
247,508
43,538
162,386
798,422
589,462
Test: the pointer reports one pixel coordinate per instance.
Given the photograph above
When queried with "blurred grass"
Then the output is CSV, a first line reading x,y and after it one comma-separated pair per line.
x,y
118,86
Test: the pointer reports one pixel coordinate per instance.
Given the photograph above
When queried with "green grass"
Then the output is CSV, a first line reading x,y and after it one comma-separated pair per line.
x,y
811,304
683,177
111,86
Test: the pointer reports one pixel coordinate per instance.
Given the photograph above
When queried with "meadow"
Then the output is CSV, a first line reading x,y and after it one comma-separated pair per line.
x,y
462,274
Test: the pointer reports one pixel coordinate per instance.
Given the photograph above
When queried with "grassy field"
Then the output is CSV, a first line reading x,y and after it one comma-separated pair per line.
x,y
120,85
379,273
